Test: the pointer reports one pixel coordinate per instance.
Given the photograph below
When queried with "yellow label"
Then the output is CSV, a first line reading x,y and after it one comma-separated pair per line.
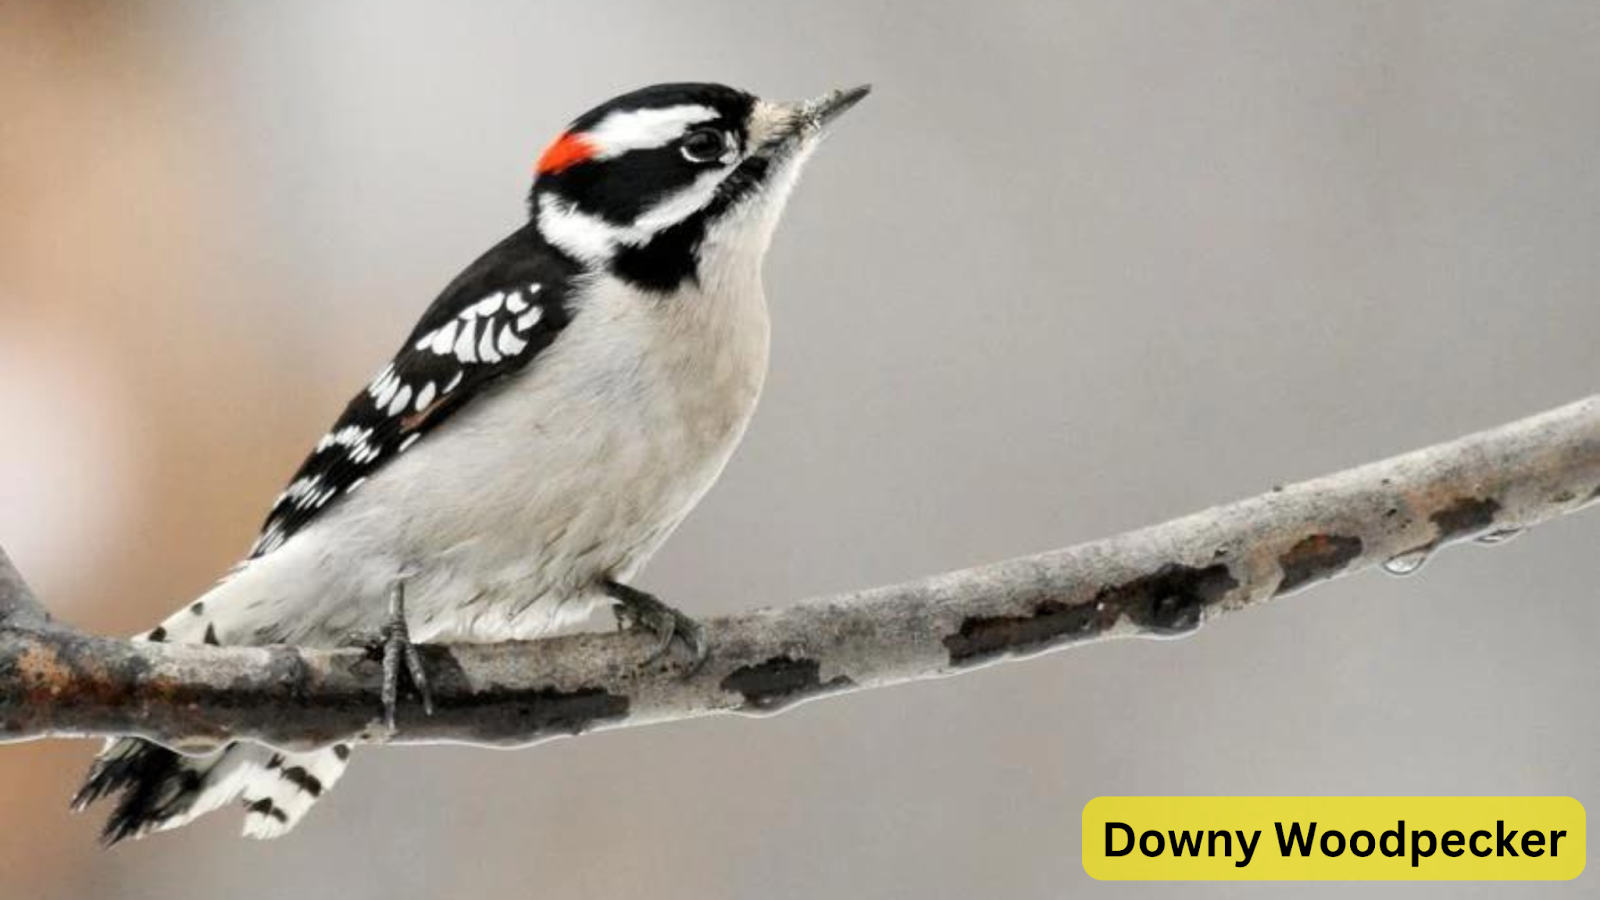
x,y
1333,838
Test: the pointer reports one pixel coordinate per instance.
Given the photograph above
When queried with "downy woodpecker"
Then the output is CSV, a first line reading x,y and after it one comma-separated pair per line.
x,y
554,415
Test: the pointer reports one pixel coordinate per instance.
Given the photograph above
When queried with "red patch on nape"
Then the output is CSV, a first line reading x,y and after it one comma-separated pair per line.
x,y
567,150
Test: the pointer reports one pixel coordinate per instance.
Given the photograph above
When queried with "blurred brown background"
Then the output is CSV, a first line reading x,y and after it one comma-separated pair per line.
x,y
1074,268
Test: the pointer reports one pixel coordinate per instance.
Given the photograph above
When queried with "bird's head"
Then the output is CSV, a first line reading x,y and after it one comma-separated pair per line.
x,y
659,182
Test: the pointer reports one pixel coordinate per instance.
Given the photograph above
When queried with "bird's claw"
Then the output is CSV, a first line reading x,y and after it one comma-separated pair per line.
x,y
637,609
399,652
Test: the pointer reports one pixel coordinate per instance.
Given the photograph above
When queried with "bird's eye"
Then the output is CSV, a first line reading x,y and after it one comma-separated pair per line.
x,y
704,145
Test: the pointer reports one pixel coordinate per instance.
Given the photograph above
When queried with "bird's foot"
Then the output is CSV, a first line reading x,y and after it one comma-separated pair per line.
x,y
637,609
392,644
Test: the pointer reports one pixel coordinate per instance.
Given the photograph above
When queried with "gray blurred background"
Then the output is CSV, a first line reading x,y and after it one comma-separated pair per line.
x,y
1074,268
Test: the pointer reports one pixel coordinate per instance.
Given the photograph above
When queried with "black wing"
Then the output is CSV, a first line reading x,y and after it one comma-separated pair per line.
x,y
490,322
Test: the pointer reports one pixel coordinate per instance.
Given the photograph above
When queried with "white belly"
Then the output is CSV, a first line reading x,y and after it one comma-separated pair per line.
x,y
574,472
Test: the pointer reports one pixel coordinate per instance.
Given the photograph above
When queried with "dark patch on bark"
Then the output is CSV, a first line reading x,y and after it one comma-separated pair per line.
x,y
1315,558
983,638
781,682
503,716
1468,515
520,715
1168,601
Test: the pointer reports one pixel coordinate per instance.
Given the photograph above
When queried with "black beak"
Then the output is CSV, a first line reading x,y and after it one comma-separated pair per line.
x,y
833,104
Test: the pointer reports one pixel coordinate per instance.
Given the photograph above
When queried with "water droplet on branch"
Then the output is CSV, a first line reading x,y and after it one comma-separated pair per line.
x,y
1409,562
1499,535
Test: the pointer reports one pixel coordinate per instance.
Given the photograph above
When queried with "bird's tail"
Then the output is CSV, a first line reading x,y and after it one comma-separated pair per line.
x,y
161,789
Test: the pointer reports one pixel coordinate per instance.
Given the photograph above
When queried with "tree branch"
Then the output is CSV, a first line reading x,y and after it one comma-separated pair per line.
x,y
1160,581
18,605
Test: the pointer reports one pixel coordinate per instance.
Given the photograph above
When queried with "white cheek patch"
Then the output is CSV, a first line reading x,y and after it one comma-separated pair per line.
x,y
644,129
681,204
586,237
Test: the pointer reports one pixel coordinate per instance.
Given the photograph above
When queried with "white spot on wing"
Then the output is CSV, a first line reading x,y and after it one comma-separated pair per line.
x,y
443,338
400,400
486,350
424,397
465,346
453,382
509,343
352,437
515,303
304,491
382,377
489,305
530,318
406,444
386,390
300,487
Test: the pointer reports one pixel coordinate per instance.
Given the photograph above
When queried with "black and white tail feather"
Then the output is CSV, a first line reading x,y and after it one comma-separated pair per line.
x,y
160,788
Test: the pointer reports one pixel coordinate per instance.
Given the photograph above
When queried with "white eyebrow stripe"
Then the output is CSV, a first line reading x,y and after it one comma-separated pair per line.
x,y
643,129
